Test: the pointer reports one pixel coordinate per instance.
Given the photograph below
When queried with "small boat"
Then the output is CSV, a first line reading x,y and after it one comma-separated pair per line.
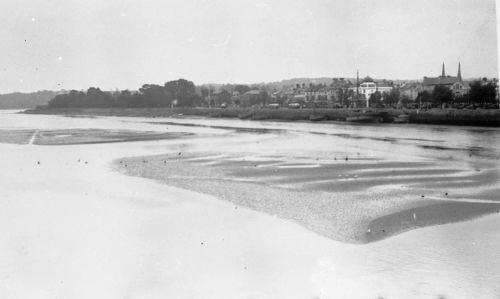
x,y
245,115
402,119
365,117
317,117
386,117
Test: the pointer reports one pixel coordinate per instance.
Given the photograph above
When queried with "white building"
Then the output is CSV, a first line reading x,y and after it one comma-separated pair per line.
x,y
369,87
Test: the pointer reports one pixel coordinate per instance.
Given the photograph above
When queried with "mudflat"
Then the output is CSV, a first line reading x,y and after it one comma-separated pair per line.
x,y
80,136
290,198
354,184
353,200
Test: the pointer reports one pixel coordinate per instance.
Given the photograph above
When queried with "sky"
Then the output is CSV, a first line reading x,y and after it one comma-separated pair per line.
x,y
122,44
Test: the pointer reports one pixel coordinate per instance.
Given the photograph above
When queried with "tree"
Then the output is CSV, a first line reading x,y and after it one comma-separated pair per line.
x,y
392,97
222,96
241,89
280,99
405,100
263,97
124,98
462,98
375,99
60,101
424,97
204,92
98,98
343,95
442,95
194,100
154,96
481,92
182,91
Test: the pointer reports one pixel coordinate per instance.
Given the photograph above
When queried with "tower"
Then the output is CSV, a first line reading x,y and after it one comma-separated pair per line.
x,y
442,72
459,75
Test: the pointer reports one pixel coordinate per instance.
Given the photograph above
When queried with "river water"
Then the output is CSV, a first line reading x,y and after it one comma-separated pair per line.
x,y
73,227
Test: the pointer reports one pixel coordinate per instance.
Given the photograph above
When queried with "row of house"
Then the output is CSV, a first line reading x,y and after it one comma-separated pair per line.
x,y
342,92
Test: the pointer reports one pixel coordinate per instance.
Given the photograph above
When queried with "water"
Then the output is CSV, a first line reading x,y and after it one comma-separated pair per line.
x,y
78,230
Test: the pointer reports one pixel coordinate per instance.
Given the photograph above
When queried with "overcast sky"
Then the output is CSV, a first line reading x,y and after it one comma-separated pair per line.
x,y
49,44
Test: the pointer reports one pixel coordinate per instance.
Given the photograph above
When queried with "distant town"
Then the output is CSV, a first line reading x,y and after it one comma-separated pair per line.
x,y
442,91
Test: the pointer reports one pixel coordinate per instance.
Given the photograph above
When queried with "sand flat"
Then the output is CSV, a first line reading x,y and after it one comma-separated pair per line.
x,y
82,230
334,199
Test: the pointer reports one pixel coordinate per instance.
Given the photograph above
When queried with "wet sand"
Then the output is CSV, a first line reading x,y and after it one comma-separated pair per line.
x,y
354,201
73,227
16,136
349,197
81,136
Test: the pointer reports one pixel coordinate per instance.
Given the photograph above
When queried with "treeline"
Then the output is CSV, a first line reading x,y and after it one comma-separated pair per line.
x,y
386,98
481,92
183,93
173,93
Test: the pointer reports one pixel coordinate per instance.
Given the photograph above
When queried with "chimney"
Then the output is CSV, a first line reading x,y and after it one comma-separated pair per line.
x,y
442,72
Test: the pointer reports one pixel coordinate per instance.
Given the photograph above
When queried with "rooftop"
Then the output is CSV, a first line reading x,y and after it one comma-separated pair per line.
x,y
442,80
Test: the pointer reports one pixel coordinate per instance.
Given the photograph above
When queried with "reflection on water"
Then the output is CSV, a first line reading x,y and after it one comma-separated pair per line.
x,y
482,141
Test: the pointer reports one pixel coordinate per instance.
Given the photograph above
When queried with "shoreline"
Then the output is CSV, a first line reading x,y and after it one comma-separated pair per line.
x,y
478,117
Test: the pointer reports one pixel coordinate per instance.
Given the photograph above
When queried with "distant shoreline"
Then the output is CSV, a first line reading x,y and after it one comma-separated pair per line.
x,y
478,117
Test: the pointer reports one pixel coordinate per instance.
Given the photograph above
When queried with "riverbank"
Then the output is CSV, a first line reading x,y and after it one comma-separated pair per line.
x,y
478,117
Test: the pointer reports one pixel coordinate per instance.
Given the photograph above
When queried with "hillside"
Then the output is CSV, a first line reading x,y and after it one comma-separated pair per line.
x,y
294,81
19,100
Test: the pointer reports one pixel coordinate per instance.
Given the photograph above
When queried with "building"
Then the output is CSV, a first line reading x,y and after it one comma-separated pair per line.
x,y
455,84
219,97
460,88
369,87
250,98
410,90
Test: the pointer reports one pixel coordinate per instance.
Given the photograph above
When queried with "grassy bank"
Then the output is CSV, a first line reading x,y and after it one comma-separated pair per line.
x,y
478,117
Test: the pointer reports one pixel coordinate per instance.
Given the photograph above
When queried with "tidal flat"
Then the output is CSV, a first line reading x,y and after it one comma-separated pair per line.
x,y
236,209
350,196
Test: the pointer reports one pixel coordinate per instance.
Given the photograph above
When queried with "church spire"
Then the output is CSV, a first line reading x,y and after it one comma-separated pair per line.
x,y
459,75
442,72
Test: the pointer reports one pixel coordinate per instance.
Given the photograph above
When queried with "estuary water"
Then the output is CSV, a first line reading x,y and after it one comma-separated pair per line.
x,y
406,211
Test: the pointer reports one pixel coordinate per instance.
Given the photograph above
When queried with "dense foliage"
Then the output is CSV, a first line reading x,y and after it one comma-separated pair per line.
x,y
441,95
174,93
183,93
481,92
